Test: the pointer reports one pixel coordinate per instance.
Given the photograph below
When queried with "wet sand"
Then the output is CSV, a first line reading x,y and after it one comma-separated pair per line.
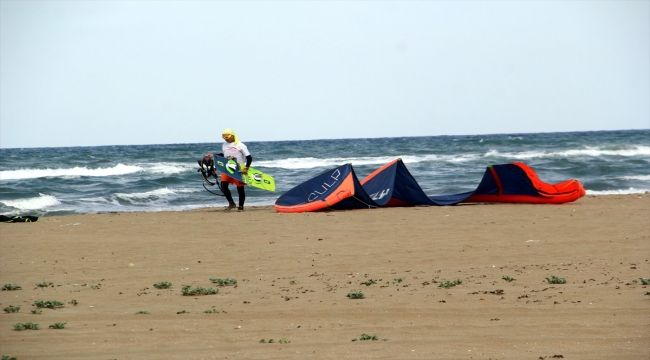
x,y
294,272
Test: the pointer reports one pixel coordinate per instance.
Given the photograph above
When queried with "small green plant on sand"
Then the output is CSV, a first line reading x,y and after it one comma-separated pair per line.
x,y
162,285
365,337
5,357
96,287
25,326
293,282
555,280
44,284
647,293
508,278
182,312
645,281
188,291
446,284
37,311
11,287
271,341
11,309
224,282
369,282
50,304
73,302
397,280
211,311
143,312
355,295
58,325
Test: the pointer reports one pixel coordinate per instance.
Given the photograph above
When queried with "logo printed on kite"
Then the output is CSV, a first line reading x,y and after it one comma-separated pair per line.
x,y
378,195
315,194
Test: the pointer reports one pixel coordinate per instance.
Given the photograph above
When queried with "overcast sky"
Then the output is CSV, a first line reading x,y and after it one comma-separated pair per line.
x,y
84,73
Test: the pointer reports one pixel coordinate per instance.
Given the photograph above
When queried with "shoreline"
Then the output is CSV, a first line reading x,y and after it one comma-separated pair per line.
x,y
294,271
271,207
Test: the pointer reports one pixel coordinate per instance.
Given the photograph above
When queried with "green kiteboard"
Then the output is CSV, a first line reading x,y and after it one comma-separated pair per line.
x,y
253,178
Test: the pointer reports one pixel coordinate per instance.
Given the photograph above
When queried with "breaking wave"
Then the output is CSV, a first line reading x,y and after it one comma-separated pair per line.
x,y
311,162
587,151
153,195
35,203
617,192
77,171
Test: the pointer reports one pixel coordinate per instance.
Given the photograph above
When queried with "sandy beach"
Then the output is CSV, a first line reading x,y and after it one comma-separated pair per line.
x,y
294,273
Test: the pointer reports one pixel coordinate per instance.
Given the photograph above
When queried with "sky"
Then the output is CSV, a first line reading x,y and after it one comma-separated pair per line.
x,y
90,73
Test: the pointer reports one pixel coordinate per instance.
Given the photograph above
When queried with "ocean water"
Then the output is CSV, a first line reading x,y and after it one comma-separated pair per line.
x,y
81,180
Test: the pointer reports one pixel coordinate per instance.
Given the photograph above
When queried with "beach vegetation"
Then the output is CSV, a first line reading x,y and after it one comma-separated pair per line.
x,y
188,291
96,287
355,295
142,312
25,326
50,304
365,337
508,278
182,312
44,284
37,311
11,287
73,302
645,281
294,282
11,309
555,280
58,325
397,280
224,282
6,357
162,285
211,311
369,282
647,293
271,341
446,284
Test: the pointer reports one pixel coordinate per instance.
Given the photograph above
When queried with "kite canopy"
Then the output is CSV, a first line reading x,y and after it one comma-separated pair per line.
x,y
393,185
338,188
518,183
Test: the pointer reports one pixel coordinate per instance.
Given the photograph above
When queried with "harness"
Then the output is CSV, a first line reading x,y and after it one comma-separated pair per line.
x,y
207,170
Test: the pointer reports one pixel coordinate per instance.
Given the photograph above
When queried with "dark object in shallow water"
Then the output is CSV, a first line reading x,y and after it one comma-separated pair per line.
x,y
18,219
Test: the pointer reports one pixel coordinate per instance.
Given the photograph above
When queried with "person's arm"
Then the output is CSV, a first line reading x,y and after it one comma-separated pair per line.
x,y
249,160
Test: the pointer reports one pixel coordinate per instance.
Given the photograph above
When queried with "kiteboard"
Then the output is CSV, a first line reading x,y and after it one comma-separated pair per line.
x,y
253,178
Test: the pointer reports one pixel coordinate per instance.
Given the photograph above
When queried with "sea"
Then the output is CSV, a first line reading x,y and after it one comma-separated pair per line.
x,y
149,178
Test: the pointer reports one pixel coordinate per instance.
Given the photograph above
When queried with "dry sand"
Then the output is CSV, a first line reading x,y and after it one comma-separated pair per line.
x,y
294,271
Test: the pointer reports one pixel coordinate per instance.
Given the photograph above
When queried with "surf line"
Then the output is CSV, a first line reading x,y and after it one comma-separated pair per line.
x,y
315,194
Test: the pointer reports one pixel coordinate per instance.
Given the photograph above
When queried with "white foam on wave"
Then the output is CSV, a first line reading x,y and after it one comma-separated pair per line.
x,y
636,177
587,151
617,192
119,169
311,162
154,194
35,203
169,168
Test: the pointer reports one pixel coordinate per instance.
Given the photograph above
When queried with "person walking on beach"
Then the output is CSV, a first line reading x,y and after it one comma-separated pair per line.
x,y
233,149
